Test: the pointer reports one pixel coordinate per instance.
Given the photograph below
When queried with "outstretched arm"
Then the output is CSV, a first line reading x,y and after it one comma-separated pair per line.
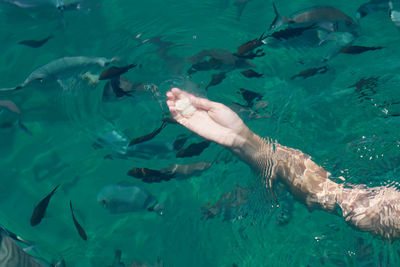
x,y
376,210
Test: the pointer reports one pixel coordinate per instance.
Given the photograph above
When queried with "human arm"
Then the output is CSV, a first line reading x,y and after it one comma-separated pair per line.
x,y
375,210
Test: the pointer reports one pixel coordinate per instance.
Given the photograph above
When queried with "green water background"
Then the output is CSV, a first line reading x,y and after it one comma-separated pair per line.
x,y
321,116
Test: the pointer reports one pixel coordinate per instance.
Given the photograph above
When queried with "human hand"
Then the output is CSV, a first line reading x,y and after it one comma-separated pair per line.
x,y
211,120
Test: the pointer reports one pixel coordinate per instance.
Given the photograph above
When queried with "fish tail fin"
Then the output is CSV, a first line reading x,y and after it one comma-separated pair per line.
x,y
278,20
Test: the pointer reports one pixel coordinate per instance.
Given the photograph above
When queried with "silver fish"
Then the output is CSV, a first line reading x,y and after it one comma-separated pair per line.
x,y
372,7
62,68
122,198
326,17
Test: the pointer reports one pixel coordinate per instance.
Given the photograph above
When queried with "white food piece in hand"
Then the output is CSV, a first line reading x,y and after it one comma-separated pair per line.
x,y
185,107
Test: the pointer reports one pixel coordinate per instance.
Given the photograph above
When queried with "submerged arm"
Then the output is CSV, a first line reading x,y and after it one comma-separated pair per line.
x,y
375,210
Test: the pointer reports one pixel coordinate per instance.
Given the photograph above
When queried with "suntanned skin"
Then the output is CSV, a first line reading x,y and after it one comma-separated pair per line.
x,y
375,210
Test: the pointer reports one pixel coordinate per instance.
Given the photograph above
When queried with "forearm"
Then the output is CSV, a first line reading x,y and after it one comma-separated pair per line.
x,y
375,210
307,181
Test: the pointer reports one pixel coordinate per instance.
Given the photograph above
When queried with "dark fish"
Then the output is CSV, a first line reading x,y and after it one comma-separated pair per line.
x,y
193,149
149,136
150,176
240,4
250,96
40,209
34,43
372,7
80,229
173,171
216,59
114,87
115,71
356,49
366,88
251,74
250,46
179,142
325,17
216,79
288,33
210,64
310,72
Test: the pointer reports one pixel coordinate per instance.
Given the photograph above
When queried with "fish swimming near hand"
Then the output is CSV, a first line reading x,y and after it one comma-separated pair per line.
x,y
250,96
115,72
80,229
325,17
62,68
310,72
40,209
149,136
356,49
174,171
251,74
216,79
216,59
372,6
122,198
246,50
36,43
194,149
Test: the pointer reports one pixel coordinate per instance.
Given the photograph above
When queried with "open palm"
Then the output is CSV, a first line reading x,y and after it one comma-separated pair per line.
x,y
211,120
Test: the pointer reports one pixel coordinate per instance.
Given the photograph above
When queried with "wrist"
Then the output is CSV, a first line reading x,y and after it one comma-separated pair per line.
x,y
246,143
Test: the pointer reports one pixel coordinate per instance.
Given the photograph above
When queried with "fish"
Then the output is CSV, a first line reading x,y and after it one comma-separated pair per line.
x,y
325,17
40,209
115,72
35,43
180,141
123,198
194,149
150,175
356,49
174,171
289,33
80,229
251,74
216,79
114,87
372,6
250,96
149,136
247,48
216,59
310,72
62,68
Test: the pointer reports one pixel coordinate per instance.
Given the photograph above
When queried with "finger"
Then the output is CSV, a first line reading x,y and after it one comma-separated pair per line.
x,y
170,96
202,103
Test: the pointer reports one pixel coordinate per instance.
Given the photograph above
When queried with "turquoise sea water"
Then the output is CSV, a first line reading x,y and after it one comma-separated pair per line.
x,y
352,133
